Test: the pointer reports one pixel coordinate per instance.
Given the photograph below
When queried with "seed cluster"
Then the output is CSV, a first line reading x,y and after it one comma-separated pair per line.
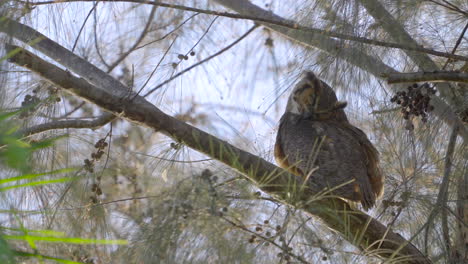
x,y
415,101
100,145
182,57
95,156
28,104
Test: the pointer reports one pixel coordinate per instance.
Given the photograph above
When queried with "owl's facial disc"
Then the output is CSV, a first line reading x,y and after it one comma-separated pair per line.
x,y
305,95
301,98
312,98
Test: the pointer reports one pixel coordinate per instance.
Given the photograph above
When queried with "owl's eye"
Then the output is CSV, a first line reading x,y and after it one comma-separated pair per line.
x,y
306,96
302,89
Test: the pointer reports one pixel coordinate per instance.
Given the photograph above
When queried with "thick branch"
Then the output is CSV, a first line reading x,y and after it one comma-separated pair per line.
x,y
438,76
333,211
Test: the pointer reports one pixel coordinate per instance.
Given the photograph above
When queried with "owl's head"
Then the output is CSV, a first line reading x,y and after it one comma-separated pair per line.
x,y
312,98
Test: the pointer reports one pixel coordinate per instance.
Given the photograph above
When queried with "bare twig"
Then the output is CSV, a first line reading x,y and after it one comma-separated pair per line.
x,y
72,111
438,76
96,46
388,110
450,6
142,36
168,33
461,214
83,25
202,61
64,124
266,239
441,203
457,44
443,191
157,66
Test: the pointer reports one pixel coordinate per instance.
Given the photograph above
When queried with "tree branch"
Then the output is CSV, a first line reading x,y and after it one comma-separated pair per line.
x,y
461,237
438,76
399,34
441,203
335,48
202,61
444,190
135,45
357,227
283,23
351,55
59,54
63,124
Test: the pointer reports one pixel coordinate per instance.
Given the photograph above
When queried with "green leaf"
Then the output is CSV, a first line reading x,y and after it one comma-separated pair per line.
x,y
16,157
40,256
46,143
4,116
68,240
35,175
6,255
36,183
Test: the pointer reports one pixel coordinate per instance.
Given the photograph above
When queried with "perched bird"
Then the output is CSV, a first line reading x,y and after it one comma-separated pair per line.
x,y
315,140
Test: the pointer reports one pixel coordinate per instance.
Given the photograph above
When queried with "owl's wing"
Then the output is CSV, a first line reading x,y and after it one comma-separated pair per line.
x,y
304,146
374,173
282,144
297,144
353,163
330,152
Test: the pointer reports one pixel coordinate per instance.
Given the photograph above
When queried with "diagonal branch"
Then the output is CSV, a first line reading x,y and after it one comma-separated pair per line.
x,y
375,237
59,54
398,33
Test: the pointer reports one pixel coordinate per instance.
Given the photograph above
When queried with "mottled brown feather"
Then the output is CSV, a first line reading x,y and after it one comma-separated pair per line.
x,y
314,113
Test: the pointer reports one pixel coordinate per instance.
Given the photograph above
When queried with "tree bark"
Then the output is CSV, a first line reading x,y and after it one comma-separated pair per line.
x,y
437,76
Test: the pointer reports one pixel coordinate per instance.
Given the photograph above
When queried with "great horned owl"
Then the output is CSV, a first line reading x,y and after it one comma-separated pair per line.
x,y
315,140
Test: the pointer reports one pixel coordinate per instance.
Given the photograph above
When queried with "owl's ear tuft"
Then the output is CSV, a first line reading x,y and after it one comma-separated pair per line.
x,y
309,75
340,105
